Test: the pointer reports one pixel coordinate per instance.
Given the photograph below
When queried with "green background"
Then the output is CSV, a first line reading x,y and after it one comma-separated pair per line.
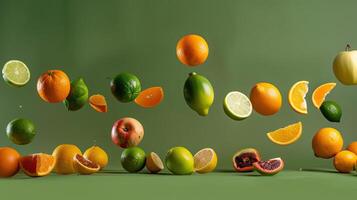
x,y
277,41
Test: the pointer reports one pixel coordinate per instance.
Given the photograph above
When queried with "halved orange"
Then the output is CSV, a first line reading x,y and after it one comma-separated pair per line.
x,y
150,97
84,166
39,164
297,94
98,103
286,135
320,93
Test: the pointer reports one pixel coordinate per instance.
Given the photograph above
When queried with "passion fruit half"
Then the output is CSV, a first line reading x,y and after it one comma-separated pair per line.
x,y
243,160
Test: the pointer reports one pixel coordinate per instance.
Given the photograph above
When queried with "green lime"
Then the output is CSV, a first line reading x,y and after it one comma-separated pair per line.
x,y
331,111
125,87
179,160
133,159
20,131
198,93
78,96
16,73
237,105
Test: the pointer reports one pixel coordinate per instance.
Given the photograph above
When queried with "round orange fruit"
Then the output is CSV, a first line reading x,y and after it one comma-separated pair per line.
x,y
353,147
9,161
53,86
345,161
265,98
192,50
327,142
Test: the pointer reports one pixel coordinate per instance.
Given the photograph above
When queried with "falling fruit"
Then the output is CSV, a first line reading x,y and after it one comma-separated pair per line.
x,y
21,131
286,135
345,66
198,93
327,142
237,106
53,86
78,95
125,87
331,111
16,73
320,93
265,98
192,50
297,94
98,103
150,97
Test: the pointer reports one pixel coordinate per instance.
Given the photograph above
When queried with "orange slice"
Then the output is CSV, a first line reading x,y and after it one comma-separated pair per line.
x,y
320,93
98,103
286,135
150,97
297,94
39,164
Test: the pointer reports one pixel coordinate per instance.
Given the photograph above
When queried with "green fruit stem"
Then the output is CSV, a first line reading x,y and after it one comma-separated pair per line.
x,y
348,47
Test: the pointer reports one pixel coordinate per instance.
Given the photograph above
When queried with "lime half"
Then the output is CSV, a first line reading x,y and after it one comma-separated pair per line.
x,y
237,105
16,73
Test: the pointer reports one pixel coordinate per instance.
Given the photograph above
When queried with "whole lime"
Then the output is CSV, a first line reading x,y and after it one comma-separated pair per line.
x,y
331,111
78,95
179,161
133,159
125,87
198,93
20,131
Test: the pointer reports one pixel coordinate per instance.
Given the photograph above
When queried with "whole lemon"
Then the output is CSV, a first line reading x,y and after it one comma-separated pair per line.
x,y
97,155
64,154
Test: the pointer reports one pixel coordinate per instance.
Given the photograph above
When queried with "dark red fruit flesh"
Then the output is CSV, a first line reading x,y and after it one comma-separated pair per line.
x,y
243,161
270,164
269,167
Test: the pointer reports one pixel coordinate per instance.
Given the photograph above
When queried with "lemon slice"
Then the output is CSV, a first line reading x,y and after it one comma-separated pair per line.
x,y
16,73
205,160
237,105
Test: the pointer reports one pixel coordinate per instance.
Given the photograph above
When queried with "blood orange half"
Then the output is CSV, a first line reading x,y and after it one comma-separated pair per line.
x,y
39,164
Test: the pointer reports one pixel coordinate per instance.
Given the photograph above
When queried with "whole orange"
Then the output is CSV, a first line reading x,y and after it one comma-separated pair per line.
x,y
53,86
265,98
353,147
327,142
345,161
9,161
192,50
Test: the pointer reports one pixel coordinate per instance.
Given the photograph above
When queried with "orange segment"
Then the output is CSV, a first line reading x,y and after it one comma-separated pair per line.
x,y
150,97
297,94
37,164
98,103
286,135
320,93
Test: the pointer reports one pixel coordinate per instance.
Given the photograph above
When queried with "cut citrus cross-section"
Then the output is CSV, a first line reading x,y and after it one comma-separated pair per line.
x,y
150,97
98,103
286,135
39,164
205,160
320,93
84,166
297,94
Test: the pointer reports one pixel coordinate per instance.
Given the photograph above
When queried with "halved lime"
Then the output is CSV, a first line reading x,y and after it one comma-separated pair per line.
x,y
16,73
237,105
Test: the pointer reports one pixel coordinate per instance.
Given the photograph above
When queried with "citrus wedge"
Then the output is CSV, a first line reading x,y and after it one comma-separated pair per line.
x,y
16,73
297,94
39,164
320,93
237,106
205,160
286,135
84,166
154,163
98,103
150,97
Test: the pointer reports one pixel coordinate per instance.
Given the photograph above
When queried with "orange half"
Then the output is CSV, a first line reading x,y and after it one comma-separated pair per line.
x,y
320,93
286,135
98,103
297,94
150,97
